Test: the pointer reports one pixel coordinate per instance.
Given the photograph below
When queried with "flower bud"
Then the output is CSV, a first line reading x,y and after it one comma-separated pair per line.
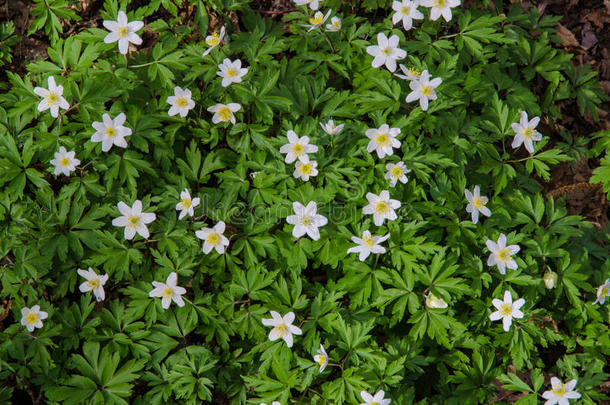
x,y
550,279
432,301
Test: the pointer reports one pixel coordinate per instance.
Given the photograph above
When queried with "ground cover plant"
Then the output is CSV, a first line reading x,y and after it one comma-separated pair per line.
x,y
334,203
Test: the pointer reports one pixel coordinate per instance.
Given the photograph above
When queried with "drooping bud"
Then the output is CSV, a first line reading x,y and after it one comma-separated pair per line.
x,y
432,301
550,279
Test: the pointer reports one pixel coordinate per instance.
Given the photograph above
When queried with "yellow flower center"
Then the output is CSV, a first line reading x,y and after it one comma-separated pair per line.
x,y
31,318
503,255
280,329
93,283
306,168
213,239
559,390
212,40
133,221
386,51
426,91
110,132
185,202
505,310
64,161
123,31
321,359
181,102
479,202
306,221
529,132
368,241
382,140
605,292
52,98
382,207
298,149
396,172
231,72
404,10
414,72
440,3
224,114
167,293
317,19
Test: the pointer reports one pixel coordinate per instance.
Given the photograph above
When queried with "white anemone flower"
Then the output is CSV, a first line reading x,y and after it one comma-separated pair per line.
x,y
273,403
367,245
409,73
313,4
317,20
440,8
224,112
396,172
168,291
382,140
603,291
213,238
123,31
64,162
94,283
181,102
52,98
231,72
423,89
335,25
560,393
386,51
32,318
501,255
133,219
187,204
306,220
282,327
297,148
507,310
525,132
305,170
330,128
432,301
381,206
406,11
214,40
111,132
377,399
321,358
476,203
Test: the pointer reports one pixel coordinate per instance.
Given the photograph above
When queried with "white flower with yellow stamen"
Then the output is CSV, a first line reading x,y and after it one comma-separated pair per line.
x,y
181,102
507,310
330,128
231,72
297,148
409,73
94,283
476,203
432,301
525,132
382,140
168,291
282,327
560,393
317,20
224,112
378,399
367,245
381,206
134,220
213,238
396,172
64,162
423,89
305,170
214,40
440,7
306,220
32,318
314,4
123,31
111,132
321,358
186,204
501,255
603,291
52,98
335,25
386,52
406,11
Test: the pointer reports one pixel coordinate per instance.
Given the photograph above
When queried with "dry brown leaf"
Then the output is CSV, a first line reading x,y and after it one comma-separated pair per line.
x,y
567,38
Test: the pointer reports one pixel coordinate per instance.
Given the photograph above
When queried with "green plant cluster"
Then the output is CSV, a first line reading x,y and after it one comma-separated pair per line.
x,y
371,316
